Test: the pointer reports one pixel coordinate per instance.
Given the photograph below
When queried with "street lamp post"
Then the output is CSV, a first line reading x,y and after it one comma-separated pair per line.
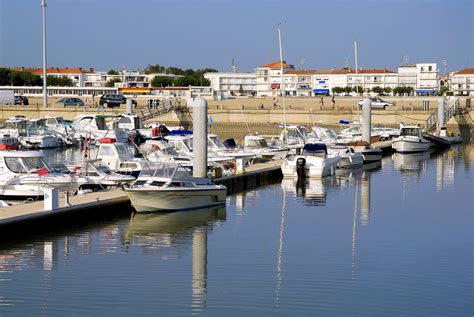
x,y
45,84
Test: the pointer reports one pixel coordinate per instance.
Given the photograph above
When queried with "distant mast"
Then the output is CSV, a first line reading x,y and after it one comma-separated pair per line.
x,y
45,84
234,68
285,132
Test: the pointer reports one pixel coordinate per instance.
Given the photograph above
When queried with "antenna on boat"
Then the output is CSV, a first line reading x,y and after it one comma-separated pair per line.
x,y
285,132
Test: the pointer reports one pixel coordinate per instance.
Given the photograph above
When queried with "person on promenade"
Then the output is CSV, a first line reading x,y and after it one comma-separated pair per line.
x,y
321,103
333,101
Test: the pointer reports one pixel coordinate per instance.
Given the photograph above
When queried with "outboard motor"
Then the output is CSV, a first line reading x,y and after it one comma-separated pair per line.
x,y
301,167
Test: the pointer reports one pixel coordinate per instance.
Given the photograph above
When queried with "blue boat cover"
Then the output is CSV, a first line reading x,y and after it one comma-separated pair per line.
x,y
315,148
344,122
180,132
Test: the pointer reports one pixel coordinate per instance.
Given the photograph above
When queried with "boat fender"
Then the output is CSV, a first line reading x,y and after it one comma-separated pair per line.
x,y
301,167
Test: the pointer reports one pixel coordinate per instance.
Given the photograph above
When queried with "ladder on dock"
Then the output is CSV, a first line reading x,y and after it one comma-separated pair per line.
x,y
451,110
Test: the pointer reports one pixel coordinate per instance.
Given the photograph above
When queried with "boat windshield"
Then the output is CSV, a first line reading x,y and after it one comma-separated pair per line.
x,y
410,132
101,124
33,164
14,165
215,141
100,166
123,151
257,143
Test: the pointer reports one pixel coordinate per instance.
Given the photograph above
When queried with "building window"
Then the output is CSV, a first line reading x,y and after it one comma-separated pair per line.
x,y
430,68
422,69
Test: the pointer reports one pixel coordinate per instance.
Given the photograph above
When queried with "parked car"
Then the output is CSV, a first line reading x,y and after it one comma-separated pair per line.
x,y
21,100
378,103
71,102
114,100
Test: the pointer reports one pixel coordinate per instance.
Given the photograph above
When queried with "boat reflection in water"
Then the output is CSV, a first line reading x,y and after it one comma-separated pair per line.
x,y
411,164
159,231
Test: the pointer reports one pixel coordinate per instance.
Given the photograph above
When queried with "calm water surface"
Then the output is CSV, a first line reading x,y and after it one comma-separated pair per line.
x,y
395,241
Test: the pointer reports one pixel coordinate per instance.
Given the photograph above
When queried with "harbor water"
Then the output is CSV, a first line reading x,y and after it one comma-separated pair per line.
x,y
395,240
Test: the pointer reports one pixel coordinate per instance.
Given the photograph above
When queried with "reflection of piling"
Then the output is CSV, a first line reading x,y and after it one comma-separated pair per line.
x,y
199,106
199,286
439,173
366,120
365,199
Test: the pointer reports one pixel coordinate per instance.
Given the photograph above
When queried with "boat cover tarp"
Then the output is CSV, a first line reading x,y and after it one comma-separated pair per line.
x,y
315,148
180,132
344,122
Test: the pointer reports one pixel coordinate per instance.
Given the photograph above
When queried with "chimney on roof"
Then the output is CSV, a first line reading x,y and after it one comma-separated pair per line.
x,y
91,69
80,68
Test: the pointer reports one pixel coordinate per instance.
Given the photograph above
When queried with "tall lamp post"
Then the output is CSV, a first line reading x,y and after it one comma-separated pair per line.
x,y
45,84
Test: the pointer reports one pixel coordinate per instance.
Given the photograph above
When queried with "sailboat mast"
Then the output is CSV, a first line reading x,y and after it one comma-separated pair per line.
x,y
45,85
357,71
285,132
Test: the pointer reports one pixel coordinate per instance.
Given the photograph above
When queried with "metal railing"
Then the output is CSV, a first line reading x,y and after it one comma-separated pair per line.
x,y
452,108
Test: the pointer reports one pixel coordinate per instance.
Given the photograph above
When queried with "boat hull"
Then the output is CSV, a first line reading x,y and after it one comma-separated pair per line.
x,y
409,146
149,200
314,168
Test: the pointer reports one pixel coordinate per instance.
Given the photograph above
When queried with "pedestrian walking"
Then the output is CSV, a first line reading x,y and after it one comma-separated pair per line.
x,y
333,101
321,103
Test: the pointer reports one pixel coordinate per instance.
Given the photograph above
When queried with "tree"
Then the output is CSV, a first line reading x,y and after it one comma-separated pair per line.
x,y
443,90
387,90
61,81
161,81
338,90
186,81
377,90
347,89
112,72
111,82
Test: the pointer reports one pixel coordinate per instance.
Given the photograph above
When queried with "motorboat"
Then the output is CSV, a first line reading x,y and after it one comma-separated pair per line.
x,y
8,142
294,137
99,175
183,144
386,133
349,157
118,158
162,151
313,162
410,140
171,187
65,132
322,135
30,137
354,134
94,127
28,169
259,146
215,145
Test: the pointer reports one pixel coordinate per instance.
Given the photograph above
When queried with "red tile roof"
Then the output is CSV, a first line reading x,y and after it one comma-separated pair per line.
x,y
376,71
320,71
465,71
54,70
276,65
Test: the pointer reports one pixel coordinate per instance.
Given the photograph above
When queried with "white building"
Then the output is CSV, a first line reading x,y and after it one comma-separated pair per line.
x,y
462,82
422,77
233,83
370,78
269,79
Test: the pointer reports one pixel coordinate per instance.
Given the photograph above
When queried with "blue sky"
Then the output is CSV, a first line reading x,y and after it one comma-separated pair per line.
x,y
195,34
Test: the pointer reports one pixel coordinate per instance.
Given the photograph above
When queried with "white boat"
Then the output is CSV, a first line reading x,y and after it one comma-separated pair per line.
x,y
28,169
322,135
29,136
258,145
94,127
171,187
296,137
349,157
64,130
98,174
354,134
183,144
410,140
161,151
118,158
314,162
214,144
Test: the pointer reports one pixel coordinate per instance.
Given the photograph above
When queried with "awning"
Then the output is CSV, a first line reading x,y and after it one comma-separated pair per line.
x,y
275,86
321,91
424,90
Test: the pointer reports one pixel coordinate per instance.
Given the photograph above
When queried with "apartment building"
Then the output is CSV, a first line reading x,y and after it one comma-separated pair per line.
x,y
462,82
232,82
269,79
422,77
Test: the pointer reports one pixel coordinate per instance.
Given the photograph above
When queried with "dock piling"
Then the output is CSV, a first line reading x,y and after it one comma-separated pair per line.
x,y
366,119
